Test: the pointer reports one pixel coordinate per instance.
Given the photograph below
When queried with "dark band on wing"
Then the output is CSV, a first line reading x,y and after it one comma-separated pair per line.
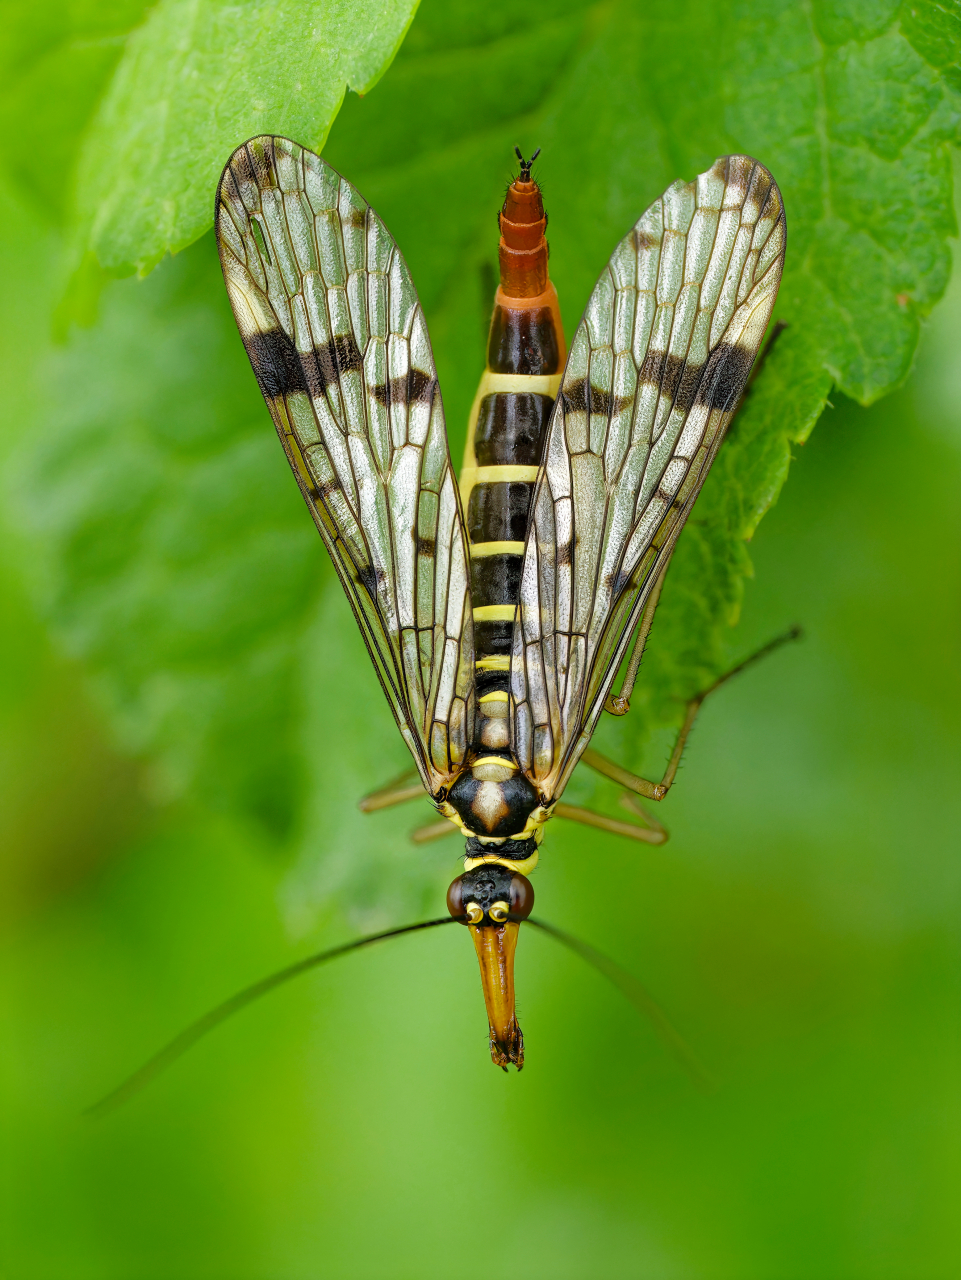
x,y
581,395
325,364
617,582
644,240
282,370
726,375
677,379
411,387
324,492
276,363
370,578
717,383
256,164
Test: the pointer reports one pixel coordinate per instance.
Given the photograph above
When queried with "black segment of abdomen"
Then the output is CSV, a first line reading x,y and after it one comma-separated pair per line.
x,y
498,511
493,638
490,681
495,579
510,431
523,342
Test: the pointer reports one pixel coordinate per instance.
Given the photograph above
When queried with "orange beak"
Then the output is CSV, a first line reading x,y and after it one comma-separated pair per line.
x,y
495,946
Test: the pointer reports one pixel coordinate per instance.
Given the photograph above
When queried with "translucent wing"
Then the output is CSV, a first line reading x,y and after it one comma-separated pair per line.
x,y
337,339
655,372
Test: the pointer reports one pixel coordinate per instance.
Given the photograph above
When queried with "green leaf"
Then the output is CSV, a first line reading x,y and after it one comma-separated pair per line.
x,y
196,80
55,62
854,124
178,560
934,28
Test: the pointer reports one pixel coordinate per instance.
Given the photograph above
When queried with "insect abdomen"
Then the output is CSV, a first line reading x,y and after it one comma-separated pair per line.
x,y
506,432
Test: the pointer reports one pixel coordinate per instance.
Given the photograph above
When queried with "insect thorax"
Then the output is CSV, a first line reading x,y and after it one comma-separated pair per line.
x,y
499,811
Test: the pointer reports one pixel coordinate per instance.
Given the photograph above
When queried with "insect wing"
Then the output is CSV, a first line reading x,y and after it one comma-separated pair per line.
x,y
656,370
338,342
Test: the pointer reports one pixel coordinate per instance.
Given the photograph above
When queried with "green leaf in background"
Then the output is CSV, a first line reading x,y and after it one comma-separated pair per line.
x,y
177,562
197,78
800,928
854,124
182,569
935,31
55,60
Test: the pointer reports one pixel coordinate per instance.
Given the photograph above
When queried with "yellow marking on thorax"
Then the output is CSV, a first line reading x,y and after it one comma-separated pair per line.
x,y
499,695
494,612
480,549
499,760
500,662
534,828
525,867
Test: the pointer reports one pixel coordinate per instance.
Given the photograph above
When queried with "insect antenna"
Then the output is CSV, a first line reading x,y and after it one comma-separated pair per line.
x,y
187,1038
640,998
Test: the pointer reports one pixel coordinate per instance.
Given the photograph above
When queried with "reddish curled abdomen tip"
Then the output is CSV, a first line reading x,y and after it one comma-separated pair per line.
x,y
523,247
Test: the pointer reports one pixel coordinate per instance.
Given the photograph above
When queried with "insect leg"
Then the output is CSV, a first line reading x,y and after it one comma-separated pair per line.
x,y
634,806
658,790
651,834
407,786
434,831
600,764
618,704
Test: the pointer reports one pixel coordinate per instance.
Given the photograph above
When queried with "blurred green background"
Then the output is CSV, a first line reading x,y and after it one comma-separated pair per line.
x,y
186,718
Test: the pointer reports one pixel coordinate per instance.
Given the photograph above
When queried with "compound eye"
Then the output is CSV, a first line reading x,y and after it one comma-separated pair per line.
x,y
522,897
455,899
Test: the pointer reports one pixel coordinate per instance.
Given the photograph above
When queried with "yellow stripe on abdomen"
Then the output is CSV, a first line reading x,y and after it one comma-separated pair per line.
x,y
494,612
480,549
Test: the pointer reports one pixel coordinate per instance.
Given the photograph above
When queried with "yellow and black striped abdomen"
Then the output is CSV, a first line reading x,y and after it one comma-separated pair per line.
x,y
505,440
